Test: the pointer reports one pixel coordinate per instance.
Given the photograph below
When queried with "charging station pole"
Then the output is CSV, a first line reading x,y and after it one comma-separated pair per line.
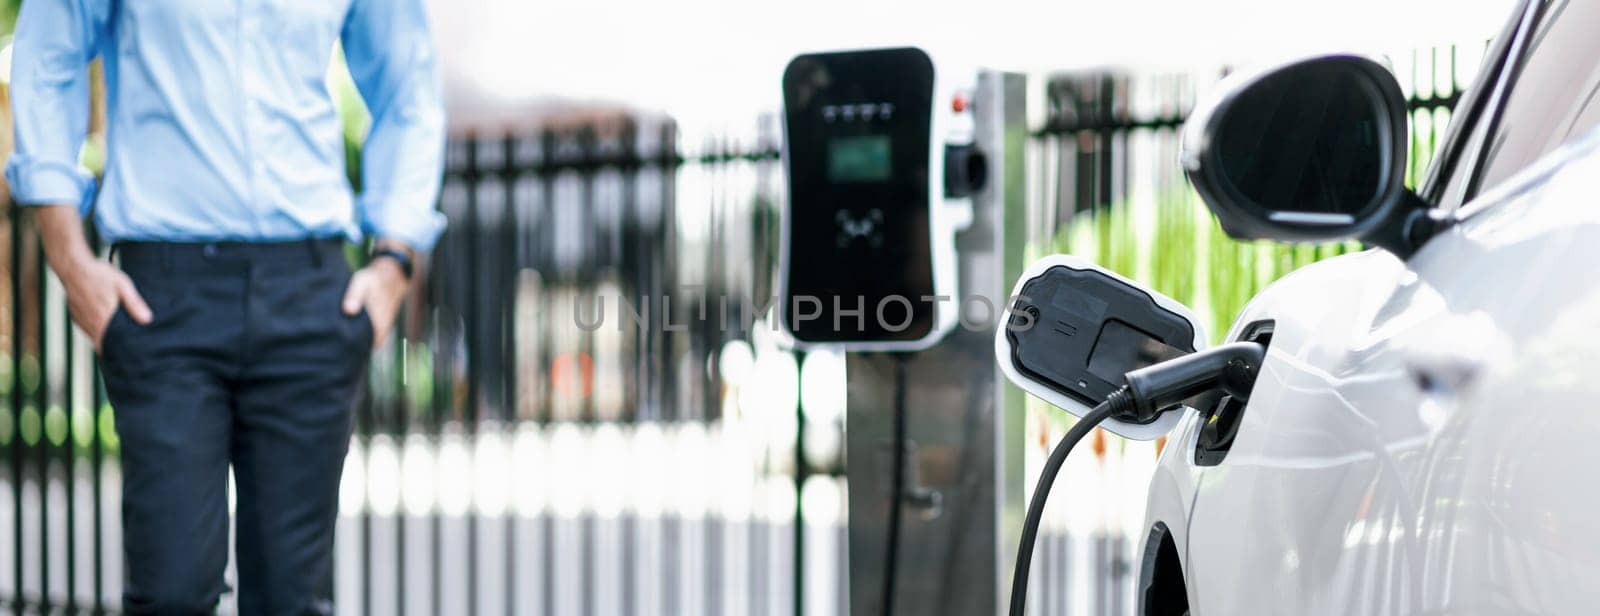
x,y
963,478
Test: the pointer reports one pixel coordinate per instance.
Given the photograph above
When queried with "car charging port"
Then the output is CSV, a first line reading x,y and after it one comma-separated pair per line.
x,y
1220,421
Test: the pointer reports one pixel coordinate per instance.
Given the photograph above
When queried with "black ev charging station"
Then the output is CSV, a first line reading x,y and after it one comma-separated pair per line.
x,y
881,168
901,236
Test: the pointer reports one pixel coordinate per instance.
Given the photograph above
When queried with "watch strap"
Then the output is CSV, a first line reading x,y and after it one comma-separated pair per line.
x,y
401,258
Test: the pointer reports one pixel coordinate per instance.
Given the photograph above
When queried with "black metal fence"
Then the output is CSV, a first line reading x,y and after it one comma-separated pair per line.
x,y
508,460
582,493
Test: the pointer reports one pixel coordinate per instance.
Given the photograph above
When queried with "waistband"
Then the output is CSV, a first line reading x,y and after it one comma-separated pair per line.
x,y
179,256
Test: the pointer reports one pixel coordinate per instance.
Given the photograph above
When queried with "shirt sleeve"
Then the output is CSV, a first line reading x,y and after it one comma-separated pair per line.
x,y
391,57
55,40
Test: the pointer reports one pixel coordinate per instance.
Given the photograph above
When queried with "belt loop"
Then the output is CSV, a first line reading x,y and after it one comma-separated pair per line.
x,y
316,252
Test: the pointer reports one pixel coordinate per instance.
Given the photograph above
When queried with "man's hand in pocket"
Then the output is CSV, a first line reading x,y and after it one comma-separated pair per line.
x,y
94,290
380,287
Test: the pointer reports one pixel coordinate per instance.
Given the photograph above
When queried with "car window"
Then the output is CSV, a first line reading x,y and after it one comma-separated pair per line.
x,y
1457,155
1554,96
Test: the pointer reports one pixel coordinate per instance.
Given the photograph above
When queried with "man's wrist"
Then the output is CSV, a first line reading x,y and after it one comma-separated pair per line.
x,y
70,262
398,261
387,243
64,244
386,266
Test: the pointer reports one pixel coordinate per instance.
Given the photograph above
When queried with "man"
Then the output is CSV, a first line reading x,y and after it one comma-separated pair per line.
x,y
233,332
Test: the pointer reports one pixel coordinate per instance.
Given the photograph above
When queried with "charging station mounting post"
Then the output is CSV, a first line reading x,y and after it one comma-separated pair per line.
x,y
905,197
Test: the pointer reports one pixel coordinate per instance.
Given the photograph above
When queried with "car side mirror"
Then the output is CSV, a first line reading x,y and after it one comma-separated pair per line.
x,y
1309,151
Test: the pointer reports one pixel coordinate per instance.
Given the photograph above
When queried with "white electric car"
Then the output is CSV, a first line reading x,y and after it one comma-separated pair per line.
x,y
1422,434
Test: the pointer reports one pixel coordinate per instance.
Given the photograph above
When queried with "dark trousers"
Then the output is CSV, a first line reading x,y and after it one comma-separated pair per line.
x,y
248,362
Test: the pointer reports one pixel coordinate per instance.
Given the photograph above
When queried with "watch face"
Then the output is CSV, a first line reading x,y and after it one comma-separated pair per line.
x,y
858,136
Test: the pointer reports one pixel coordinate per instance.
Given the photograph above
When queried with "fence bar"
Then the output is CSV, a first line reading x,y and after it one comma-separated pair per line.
x,y
18,563
70,456
96,459
42,411
474,356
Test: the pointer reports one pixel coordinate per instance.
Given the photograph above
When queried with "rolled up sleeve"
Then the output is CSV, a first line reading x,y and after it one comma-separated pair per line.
x,y
55,41
391,56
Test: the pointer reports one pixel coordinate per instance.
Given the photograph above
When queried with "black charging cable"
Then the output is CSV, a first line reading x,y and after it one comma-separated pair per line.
x,y
897,485
1149,392
1117,403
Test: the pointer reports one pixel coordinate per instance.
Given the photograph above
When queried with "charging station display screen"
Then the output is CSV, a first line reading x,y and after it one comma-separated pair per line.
x,y
859,159
858,134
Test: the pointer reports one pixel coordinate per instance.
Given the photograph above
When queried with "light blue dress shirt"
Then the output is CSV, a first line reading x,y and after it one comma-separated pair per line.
x,y
220,122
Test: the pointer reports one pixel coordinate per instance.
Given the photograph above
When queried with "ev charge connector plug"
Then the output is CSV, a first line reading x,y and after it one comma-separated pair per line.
x,y
1230,369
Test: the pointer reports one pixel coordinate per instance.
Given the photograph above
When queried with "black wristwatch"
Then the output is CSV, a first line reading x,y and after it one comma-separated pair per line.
x,y
401,258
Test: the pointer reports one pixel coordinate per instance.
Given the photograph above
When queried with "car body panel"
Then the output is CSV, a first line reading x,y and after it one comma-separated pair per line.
x,y
1420,437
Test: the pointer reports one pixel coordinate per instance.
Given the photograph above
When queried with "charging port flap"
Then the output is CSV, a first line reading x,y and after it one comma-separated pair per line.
x,y
1073,329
